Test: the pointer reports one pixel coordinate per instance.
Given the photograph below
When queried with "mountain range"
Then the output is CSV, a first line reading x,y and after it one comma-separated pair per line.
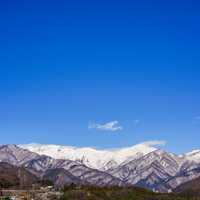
x,y
97,159
139,165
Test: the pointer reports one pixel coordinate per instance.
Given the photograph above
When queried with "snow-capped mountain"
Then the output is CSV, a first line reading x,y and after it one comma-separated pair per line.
x,y
98,159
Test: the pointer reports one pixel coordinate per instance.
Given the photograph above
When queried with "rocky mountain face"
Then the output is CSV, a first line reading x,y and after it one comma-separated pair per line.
x,y
159,168
139,165
179,179
150,169
16,155
92,176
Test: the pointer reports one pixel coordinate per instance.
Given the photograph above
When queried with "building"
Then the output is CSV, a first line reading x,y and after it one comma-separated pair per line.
x,y
169,191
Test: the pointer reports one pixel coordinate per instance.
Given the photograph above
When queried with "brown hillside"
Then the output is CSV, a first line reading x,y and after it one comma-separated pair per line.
x,y
62,177
190,188
5,166
16,177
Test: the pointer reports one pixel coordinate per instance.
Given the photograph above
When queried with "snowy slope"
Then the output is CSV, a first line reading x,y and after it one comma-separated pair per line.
x,y
86,174
16,155
93,158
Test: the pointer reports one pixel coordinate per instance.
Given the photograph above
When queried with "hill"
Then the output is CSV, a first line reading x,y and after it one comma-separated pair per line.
x,y
189,188
62,177
16,177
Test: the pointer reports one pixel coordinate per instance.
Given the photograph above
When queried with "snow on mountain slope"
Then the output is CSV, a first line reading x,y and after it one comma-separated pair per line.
x,y
15,155
86,174
148,171
180,178
189,160
193,156
93,158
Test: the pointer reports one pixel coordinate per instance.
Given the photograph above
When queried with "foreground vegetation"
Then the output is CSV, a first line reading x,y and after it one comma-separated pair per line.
x,y
91,192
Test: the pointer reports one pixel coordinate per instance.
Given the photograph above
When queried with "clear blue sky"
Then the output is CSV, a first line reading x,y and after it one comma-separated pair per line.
x,y
67,64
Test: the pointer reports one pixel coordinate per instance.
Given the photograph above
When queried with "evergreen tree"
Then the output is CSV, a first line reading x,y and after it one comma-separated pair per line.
x,y
65,188
72,186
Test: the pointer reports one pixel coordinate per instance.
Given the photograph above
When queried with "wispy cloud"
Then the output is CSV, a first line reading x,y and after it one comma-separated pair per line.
x,y
154,143
194,122
136,121
109,126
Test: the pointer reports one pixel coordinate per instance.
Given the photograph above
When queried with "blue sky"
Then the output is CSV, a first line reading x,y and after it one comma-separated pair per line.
x,y
68,68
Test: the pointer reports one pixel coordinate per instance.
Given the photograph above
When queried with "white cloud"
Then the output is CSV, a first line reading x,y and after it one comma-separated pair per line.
x,y
136,121
109,126
197,117
34,145
154,143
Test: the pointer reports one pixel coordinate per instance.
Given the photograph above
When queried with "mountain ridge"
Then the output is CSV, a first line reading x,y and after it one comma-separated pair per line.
x,y
138,165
